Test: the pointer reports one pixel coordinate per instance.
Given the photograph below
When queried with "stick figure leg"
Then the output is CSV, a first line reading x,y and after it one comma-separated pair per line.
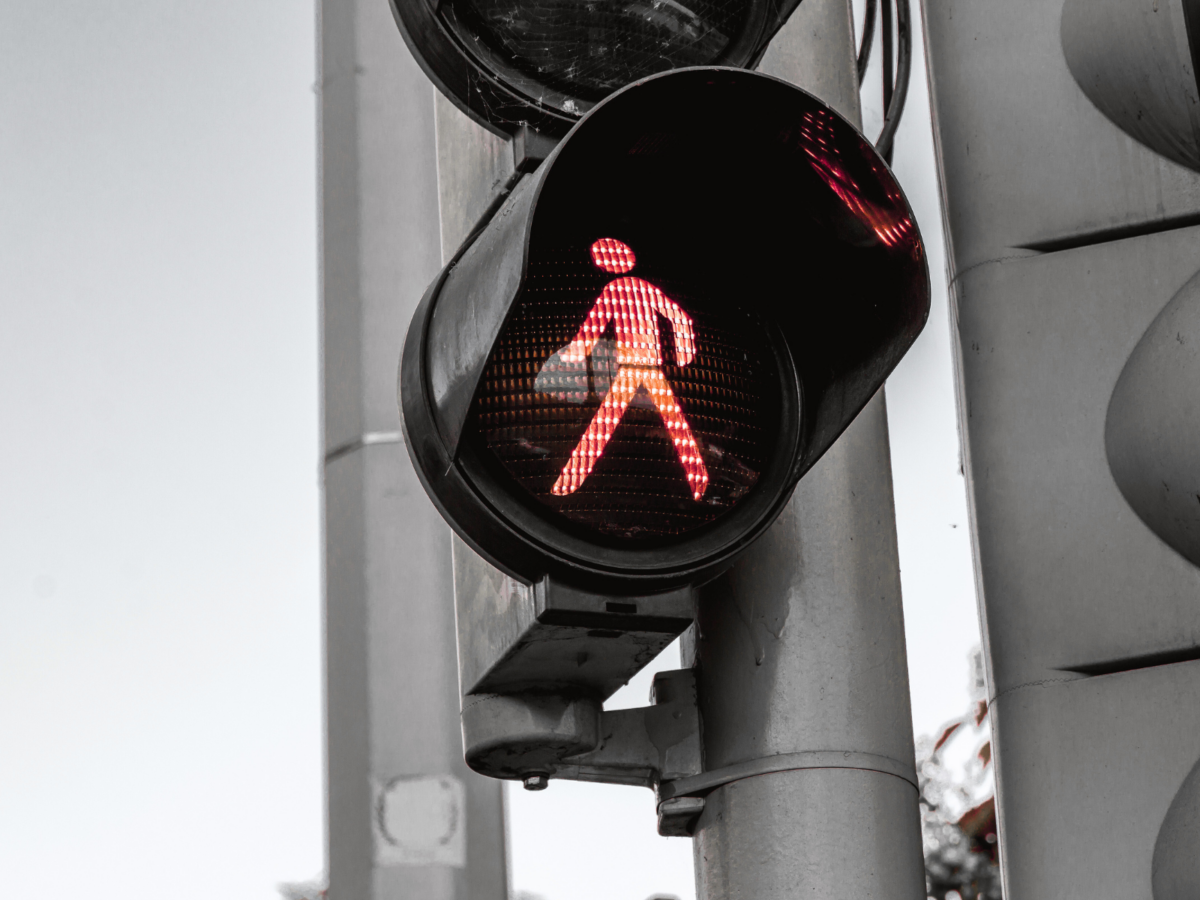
x,y
591,445
677,427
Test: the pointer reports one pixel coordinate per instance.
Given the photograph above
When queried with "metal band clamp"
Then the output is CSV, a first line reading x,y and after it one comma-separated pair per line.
x,y
784,762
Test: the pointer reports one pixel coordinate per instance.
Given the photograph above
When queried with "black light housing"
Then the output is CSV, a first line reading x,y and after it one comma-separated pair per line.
x,y
764,220
546,63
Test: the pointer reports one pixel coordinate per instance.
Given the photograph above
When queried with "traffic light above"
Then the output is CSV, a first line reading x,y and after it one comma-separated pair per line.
x,y
620,380
545,63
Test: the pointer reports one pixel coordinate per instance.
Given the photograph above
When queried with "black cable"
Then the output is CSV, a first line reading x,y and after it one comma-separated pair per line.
x,y
895,108
889,82
868,40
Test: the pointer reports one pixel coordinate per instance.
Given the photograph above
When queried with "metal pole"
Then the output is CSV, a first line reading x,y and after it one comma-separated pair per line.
x,y
802,674
406,818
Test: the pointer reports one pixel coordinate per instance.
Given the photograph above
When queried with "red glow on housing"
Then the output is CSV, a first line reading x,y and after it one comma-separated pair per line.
x,y
817,139
613,256
633,306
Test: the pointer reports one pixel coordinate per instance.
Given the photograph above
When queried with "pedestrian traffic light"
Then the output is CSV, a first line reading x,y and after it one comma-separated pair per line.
x,y
545,63
618,382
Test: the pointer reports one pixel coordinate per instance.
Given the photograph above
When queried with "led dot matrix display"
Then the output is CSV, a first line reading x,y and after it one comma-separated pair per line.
x,y
630,412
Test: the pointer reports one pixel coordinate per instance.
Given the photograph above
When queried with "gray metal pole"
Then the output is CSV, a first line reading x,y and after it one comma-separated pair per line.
x,y
406,818
803,680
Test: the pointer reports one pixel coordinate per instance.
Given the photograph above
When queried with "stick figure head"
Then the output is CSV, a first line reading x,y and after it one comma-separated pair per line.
x,y
613,256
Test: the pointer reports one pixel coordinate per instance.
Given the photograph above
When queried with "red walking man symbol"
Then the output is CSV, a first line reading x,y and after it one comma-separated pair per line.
x,y
633,305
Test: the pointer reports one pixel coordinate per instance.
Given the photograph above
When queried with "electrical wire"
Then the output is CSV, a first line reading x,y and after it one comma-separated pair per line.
x,y
894,100
889,83
868,40
897,67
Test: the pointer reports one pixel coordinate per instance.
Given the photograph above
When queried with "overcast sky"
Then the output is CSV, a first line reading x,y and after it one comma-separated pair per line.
x,y
159,548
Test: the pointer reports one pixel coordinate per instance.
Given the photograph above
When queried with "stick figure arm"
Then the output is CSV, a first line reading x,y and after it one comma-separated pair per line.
x,y
589,332
681,326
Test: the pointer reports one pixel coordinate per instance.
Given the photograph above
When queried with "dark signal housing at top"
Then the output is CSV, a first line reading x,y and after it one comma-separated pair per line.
x,y
545,63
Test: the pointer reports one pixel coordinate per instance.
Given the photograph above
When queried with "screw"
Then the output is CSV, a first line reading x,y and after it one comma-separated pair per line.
x,y
537,782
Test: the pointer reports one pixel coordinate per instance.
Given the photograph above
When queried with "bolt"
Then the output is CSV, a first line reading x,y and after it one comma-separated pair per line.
x,y
537,782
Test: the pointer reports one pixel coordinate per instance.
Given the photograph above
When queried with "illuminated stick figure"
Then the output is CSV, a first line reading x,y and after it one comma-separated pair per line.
x,y
634,306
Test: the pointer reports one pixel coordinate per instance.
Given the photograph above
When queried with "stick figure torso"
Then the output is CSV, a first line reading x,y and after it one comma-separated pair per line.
x,y
633,305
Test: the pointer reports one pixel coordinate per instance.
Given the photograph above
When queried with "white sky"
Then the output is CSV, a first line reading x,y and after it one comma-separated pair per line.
x,y
159,548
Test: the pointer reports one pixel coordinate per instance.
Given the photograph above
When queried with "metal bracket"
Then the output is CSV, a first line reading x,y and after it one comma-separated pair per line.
x,y
648,745
535,737
678,816
530,148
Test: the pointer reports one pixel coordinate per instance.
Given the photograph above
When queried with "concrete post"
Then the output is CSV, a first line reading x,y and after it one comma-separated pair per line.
x,y
406,818
803,679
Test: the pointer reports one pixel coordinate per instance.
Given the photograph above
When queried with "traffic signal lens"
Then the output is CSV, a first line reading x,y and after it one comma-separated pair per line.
x,y
589,49
634,412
